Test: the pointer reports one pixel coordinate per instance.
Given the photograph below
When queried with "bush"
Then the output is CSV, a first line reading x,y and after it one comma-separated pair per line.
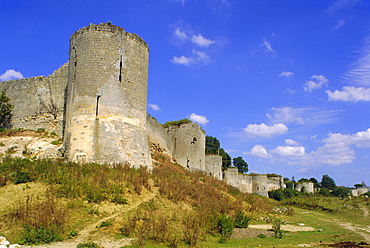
x,y
21,177
241,220
226,228
276,226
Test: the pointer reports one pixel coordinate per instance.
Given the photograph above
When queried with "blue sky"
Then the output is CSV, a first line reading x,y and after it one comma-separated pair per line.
x,y
284,84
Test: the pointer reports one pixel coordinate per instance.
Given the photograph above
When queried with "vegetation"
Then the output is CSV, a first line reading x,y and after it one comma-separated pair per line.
x,y
5,110
240,164
213,147
176,123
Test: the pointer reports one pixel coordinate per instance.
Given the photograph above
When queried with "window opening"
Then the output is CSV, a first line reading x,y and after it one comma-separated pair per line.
x,y
97,106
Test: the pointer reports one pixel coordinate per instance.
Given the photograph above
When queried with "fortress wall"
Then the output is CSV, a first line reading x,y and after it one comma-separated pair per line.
x,y
274,183
231,176
188,145
245,183
260,185
213,165
158,136
106,97
38,101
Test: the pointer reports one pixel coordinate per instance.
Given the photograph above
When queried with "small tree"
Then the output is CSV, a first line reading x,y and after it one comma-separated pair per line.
x,y
328,182
5,110
240,164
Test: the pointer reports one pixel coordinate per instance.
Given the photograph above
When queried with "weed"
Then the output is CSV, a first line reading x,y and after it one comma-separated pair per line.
x,y
105,224
262,236
87,245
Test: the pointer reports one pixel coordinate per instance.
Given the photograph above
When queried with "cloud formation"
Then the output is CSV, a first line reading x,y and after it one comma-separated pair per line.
x,y
10,75
201,41
360,70
264,130
286,74
197,57
302,115
259,151
154,107
200,119
267,46
336,150
350,94
315,82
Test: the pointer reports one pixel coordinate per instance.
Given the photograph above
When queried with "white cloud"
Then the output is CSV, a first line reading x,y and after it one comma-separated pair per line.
x,y
291,142
286,74
201,57
10,75
333,153
201,41
265,130
200,119
340,24
197,57
180,34
267,46
259,151
341,5
289,151
306,115
315,82
182,60
336,150
154,107
350,94
360,70
360,139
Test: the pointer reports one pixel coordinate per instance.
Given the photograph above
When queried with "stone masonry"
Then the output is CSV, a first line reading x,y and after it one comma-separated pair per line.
x,y
97,103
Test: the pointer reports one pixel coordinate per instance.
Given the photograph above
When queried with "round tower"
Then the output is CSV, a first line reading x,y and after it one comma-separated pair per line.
x,y
105,118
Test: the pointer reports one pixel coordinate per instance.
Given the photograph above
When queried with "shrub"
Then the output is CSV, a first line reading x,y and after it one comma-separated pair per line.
x,y
21,177
262,236
226,228
42,222
241,220
276,227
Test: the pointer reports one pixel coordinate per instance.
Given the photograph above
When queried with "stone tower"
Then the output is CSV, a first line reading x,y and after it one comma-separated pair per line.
x,y
106,97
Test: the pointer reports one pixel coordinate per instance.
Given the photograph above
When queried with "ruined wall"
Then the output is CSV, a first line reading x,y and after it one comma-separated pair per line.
x,y
360,191
188,145
274,183
213,165
107,97
158,136
307,187
38,101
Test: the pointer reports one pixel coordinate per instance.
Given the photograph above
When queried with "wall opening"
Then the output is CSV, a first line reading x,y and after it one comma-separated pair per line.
x,y
97,106
120,70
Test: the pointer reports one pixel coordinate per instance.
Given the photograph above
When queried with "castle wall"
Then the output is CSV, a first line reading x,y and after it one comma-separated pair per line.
x,y
260,185
188,145
107,97
38,101
159,136
213,165
274,183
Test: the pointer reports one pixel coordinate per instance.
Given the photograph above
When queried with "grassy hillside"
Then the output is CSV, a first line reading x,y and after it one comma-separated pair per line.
x,y
86,205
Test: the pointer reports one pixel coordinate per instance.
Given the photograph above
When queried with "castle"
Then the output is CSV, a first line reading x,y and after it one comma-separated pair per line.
x,y
97,102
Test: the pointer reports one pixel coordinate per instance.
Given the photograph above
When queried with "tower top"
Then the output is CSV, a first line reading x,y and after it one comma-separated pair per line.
x,y
108,27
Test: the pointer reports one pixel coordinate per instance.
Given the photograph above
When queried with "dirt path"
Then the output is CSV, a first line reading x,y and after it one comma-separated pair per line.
x,y
85,234
366,212
363,231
